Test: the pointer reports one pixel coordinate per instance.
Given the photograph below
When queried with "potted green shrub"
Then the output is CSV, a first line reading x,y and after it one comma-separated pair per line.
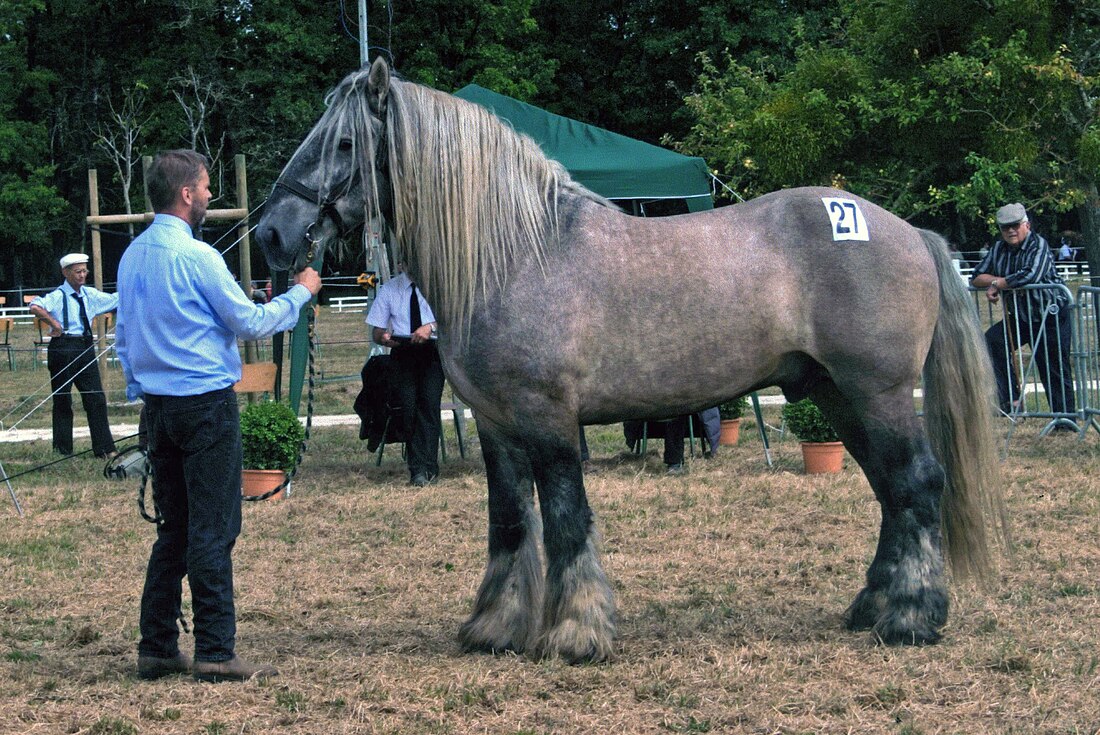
x,y
271,439
821,447
730,414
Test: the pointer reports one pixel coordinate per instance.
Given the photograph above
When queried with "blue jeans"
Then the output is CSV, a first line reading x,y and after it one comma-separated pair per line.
x,y
195,453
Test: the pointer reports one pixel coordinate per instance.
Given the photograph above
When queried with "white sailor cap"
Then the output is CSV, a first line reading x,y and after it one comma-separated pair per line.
x,y
73,259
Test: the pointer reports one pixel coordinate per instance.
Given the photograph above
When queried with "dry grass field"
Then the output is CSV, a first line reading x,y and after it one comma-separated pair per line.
x,y
730,580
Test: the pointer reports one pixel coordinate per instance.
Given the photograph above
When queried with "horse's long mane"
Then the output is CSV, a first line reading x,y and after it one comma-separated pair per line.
x,y
471,196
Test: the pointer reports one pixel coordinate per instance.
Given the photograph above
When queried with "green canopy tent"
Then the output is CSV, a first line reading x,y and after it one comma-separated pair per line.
x,y
609,164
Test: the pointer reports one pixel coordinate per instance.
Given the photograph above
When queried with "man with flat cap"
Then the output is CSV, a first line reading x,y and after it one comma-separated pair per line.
x,y
1039,318
71,354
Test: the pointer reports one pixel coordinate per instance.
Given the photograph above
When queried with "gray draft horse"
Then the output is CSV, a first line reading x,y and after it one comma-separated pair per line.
x,y
556,309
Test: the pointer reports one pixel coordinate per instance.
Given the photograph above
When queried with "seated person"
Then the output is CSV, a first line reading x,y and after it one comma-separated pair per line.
x,y
674,431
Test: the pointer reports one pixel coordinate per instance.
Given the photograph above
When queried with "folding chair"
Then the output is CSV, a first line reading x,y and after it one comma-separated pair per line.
x,y
657,426
6,324
391,432
256,377
42,342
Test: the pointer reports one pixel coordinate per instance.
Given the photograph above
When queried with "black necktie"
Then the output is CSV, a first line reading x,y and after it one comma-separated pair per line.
x,y
414,312
83,316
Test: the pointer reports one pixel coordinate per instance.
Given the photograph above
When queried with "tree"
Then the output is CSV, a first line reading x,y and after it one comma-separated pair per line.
x,y
931,109
447,44
117,138
199,100
627,65
30,205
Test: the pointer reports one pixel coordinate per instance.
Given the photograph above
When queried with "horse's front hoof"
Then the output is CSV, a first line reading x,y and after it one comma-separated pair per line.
x,y
577,644
481,634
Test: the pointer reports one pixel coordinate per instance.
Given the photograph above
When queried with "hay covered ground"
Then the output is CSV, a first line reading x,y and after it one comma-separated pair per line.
x,y
731,582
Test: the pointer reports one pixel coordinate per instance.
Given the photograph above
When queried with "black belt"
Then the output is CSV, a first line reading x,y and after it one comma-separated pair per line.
x,y
71,337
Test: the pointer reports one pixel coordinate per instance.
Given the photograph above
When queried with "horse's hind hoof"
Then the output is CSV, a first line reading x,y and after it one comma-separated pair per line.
x,y
893,636
865,610
917,623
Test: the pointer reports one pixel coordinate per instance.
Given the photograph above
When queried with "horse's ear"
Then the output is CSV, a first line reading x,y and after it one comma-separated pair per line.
x,y
378,82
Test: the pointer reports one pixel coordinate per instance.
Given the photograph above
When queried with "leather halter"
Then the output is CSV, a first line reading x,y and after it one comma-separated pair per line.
x,y
326,205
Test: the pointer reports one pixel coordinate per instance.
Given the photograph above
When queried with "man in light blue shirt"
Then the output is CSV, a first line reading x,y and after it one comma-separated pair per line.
x,y
71,355
179,315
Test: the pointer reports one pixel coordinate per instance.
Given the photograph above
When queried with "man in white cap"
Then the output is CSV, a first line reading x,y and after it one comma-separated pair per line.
x,y
71,354
1021,258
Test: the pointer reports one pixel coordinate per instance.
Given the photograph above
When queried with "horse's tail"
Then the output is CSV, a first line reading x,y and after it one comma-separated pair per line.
x,y
958,414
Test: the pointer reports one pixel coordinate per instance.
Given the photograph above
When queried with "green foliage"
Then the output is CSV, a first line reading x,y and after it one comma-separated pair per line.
x,y
271,436
806,421
30,204
733,409
931,109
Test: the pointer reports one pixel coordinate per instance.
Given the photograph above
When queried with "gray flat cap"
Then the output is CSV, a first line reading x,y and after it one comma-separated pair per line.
x,y
1010,214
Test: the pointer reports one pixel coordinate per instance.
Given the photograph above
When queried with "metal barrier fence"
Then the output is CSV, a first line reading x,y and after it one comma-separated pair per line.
x,y
1087,352
1043,369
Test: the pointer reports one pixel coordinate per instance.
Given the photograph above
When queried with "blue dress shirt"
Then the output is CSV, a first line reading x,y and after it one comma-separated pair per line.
x,y
96,302
180,312
390,309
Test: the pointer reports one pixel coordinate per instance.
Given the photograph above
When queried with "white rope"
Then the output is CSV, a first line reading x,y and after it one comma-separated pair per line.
x,y
55,392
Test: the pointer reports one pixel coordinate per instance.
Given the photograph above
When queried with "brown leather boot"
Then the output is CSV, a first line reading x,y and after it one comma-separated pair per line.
x,y
235,669
152,667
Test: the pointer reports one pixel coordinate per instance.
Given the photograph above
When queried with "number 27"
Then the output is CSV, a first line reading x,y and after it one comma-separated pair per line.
x,y
846,209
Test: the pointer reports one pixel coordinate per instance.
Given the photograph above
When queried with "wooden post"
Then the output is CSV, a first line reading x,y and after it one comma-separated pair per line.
x,y
97,273
244,247
146,162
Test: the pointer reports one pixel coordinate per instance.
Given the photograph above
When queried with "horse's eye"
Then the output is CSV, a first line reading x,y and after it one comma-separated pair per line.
x,y
345,144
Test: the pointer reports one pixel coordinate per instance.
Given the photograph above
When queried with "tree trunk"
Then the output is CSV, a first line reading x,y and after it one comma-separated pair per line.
x,y
1090,232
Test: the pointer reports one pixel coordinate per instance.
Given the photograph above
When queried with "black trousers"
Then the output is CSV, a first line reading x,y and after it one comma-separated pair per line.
x,y
1052,357
72,361
418,382
195,452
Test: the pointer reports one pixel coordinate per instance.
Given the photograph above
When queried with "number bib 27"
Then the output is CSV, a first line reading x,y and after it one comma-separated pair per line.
x,y
846,219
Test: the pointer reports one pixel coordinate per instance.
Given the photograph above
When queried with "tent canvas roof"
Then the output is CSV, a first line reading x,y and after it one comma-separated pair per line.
x,y
609,164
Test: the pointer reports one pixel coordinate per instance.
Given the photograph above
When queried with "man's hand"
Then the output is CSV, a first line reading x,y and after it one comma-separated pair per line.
x,y
310,279
55,329
384,337
422,334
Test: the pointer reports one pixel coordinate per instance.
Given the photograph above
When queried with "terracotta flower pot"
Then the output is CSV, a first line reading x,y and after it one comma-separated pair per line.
x,y
260,482
730,432
821,457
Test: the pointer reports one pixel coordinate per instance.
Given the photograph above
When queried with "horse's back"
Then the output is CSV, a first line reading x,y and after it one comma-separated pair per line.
x,y
631,316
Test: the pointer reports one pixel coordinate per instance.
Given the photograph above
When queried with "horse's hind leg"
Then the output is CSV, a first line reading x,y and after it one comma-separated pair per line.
x,y
905,600
578,621
505,616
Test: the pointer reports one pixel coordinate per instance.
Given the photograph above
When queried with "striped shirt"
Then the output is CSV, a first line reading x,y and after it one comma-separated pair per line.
x,y
1029,264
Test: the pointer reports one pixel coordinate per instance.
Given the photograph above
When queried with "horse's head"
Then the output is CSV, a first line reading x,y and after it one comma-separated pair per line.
x,y
336,179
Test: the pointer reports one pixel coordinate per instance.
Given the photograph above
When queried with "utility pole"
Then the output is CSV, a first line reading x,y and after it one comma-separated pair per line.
x,y
364,56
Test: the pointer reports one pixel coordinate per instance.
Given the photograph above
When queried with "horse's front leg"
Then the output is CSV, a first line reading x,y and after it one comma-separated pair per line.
x,y
505,616
578,621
